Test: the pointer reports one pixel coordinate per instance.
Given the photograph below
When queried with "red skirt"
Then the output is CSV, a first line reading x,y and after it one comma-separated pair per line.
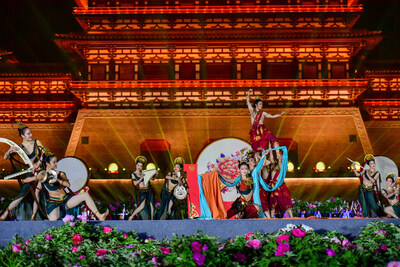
x,y
280,199
260,137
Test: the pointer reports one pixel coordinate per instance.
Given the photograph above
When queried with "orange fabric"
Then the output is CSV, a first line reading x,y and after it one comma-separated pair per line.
x,y
212,193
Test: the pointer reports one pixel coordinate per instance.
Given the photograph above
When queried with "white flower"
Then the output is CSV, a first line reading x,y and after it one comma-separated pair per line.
x,y
307,228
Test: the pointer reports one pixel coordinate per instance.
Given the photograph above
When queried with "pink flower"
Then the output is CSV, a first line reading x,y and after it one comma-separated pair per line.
x,y
281,249
330,252
16,248
71,224
298,232
240,257
345,243
205,247
49,237
199,258
101,252
107,229
384,247
248,235
254,243
129,246
336,240
68,218
77,239
165,250
27,242
333,200
196,246
75,249
282,238
380,232
154,260
125,236
82,256
393,264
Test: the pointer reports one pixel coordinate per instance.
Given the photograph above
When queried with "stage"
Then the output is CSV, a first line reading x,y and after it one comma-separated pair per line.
x,y
224,229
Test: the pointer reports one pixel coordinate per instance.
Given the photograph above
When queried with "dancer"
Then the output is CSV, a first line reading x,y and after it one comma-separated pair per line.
x,y
170,205
244,207
55,182
366,192
34,150
259,135
143,193
392,195
279,200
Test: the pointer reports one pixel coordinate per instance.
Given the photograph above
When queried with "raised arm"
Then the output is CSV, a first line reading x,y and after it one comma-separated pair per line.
x,y
64,180
267,115
248,101
10,151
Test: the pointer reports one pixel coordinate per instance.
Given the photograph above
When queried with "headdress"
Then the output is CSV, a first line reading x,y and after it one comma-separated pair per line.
x,y
47,152
179,160
141,159
20,126
390,175
369,157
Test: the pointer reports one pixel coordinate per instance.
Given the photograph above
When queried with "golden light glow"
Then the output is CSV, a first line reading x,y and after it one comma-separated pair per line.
x,y
290,167
356,166
113,168
320,167
150,166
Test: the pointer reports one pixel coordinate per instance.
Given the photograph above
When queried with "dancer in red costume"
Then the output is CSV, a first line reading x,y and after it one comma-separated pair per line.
x,y
280,199
259,135
244,207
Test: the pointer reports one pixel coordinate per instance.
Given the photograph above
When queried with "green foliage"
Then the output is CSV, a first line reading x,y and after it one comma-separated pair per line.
x,y
85,244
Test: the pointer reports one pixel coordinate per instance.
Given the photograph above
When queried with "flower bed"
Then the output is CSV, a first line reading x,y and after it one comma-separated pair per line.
x,y
78,243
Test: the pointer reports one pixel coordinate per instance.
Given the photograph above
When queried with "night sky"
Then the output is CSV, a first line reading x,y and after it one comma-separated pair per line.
x,y
28,28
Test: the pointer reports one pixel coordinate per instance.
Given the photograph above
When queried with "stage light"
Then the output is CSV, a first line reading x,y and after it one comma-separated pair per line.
x,y
113,168
90,169
357,166
320,167
298,168
105,169
150,166
123,169
290,167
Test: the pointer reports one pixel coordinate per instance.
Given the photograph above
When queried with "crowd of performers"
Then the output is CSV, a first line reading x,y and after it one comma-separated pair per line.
x,y
47,185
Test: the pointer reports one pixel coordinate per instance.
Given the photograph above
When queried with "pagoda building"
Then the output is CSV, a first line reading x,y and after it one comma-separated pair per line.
x,y
167,77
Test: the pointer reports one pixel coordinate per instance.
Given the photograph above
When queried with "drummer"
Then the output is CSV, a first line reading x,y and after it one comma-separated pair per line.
x,y
171,208
55,182
34,150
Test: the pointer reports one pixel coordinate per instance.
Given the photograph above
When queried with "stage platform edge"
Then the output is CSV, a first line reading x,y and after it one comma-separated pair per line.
x,y
224,229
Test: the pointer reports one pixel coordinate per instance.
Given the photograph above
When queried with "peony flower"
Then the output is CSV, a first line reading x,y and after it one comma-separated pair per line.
x,y
77,239
117,204
68,218
49,237
125,236
383,247
393,264
345,243
248,235
254,243
196,246
101,252
330,252
114,250
129,246
298,232
282,238
333,200
199,258
336,240
82,256
205,247
240,257
154,260
281,249
221,247
107,229
75,249
27,242
16,248
380,232
37,255
82,217
165,250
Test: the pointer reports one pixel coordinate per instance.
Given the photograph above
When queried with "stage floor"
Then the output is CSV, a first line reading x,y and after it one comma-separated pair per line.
x,y
223,228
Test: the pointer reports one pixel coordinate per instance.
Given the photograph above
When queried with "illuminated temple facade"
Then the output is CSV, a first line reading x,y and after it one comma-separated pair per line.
x,y
171,76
